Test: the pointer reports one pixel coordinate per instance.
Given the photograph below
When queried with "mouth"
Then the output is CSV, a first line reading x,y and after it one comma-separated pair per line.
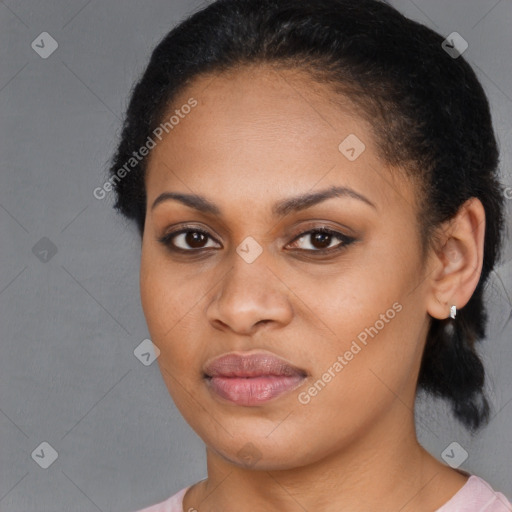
x,y
251,379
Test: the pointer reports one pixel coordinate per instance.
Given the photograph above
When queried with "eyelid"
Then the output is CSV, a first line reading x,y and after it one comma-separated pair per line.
x,y
170,234
345,239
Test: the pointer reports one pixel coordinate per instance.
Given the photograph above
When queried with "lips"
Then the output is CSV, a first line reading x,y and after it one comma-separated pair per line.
x,y
251,379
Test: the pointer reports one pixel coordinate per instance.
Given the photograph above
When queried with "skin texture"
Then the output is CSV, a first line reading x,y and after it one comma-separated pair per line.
x,y
257,136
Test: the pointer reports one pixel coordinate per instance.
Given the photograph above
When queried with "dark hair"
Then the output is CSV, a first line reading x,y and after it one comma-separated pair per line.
x,y
428,110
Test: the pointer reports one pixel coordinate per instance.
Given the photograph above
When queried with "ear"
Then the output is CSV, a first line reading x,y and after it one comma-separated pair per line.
x,y
456,262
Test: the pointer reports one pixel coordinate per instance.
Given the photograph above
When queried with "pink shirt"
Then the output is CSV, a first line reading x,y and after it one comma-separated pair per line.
x,y
475,496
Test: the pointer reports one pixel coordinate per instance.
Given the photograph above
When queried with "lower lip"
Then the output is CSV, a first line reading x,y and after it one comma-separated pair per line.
x,y
253,390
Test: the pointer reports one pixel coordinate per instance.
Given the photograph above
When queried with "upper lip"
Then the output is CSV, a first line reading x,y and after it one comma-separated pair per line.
x,y
256,364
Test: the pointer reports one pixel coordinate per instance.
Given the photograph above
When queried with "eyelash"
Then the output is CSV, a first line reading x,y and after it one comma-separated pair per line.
x,y
345,240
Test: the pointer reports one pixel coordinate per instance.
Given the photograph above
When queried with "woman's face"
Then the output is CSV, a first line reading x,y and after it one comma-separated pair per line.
x,y
255,162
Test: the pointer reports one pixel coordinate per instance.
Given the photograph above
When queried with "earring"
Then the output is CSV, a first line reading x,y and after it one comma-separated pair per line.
x,y
450,322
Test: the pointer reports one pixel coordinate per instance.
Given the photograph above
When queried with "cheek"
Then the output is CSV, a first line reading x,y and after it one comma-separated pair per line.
x,y
174,312
375,326
165,310
387,355
154,294
359,382
163,299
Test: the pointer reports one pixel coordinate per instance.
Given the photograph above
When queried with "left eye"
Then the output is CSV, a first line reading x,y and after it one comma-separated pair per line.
x,y
321,240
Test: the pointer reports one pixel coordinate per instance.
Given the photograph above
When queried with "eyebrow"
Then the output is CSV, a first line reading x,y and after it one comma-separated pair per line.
x,y
279,209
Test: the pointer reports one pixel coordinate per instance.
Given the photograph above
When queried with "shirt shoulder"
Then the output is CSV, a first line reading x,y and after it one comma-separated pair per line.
x,y
172,504
477,496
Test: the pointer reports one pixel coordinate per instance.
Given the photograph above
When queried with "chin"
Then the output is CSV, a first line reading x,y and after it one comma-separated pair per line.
x,y
261,459
256,450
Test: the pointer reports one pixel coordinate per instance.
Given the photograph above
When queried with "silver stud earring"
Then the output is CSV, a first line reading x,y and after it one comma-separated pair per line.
x,y
450,322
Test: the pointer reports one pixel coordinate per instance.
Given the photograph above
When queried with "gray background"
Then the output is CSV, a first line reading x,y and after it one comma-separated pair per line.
x,y
69,325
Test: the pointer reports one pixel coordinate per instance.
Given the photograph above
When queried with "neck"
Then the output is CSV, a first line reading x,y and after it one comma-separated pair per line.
x,y
385,468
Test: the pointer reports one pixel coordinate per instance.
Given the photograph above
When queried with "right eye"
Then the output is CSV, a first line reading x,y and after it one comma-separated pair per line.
x,y
186,240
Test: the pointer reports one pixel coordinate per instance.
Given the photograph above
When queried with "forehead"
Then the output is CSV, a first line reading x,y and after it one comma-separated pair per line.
x,y
263,132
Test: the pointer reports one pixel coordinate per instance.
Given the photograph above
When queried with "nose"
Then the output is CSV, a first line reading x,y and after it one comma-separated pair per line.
x,y
249,295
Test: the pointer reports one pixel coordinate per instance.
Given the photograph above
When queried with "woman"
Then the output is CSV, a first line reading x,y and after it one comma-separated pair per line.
x,y
316,191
